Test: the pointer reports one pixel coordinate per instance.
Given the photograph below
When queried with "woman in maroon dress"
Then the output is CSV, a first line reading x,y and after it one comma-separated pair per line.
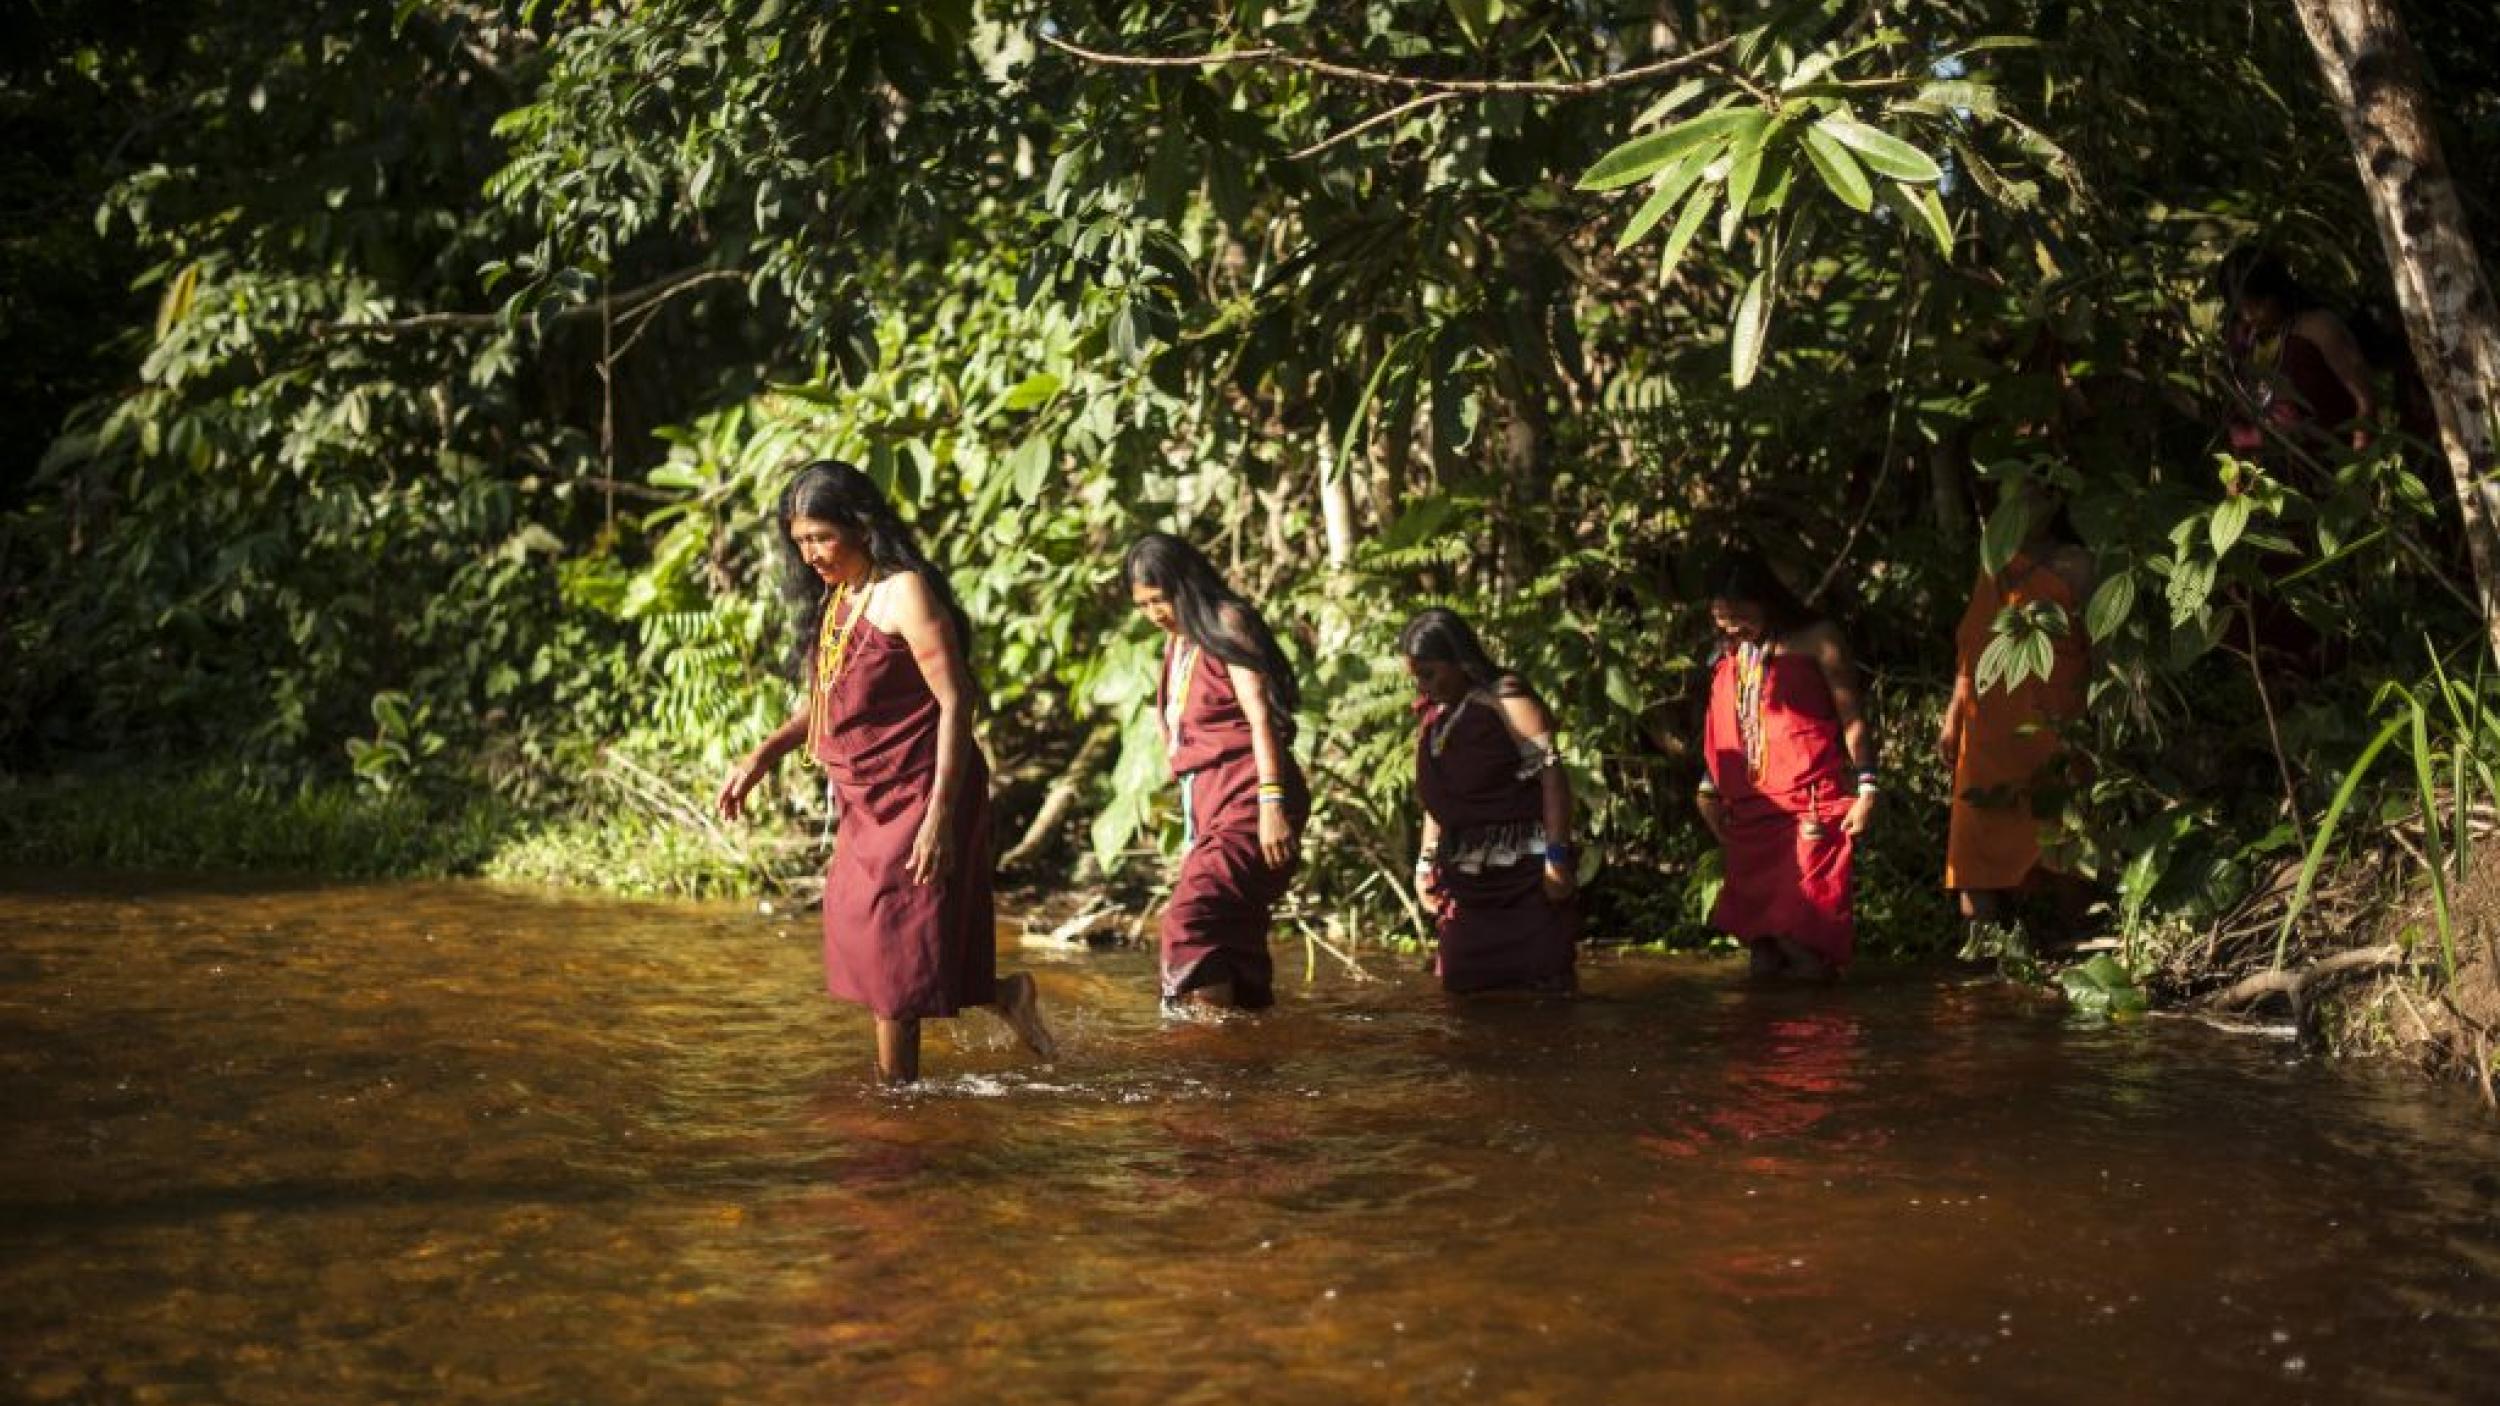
x,y
2301,371
1790,783
1497,852
909,928
1225,702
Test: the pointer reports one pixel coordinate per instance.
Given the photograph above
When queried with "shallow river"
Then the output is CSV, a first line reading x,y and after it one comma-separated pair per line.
x,y
451,1143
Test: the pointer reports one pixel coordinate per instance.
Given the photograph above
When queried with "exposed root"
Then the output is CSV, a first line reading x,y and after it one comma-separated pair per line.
x,y
2293,985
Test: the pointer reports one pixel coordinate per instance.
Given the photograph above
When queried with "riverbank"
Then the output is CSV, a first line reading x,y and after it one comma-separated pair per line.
x,y
2384,996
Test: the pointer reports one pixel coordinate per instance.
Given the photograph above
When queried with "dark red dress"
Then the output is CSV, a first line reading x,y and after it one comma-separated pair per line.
x,y
1215,928
902,949
1782,879
1496,928
2292,386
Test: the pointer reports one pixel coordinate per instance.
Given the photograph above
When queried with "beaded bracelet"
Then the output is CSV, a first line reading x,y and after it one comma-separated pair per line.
x,y
1271,793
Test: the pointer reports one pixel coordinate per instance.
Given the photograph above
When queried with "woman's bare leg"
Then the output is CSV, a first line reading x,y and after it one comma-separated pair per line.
x,y
1217,994
898,1051
1802,963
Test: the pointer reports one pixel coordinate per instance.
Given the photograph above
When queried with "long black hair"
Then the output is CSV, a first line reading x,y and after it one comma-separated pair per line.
x,y
1440,635
1746,577
1212,617
832,491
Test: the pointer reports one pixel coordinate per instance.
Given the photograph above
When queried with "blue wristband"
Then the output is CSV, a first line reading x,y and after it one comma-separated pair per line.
x,y
1558,855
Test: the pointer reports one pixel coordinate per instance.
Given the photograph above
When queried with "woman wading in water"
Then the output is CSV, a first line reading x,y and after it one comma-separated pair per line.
x,y
1226,704
1791,776
909,928
1497,817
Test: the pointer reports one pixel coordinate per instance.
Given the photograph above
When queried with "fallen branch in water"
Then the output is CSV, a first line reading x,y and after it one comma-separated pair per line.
x,y
2293,984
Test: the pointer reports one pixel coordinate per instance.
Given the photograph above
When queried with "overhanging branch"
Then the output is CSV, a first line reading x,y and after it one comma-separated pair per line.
x,y
1269,55
640,301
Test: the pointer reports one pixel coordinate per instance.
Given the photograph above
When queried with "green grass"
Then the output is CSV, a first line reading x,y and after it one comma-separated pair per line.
x,y
228,819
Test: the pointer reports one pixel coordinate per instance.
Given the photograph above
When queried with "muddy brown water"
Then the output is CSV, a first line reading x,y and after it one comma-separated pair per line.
x,y
454,1143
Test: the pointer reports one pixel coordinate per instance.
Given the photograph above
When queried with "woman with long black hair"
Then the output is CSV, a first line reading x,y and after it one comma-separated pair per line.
x,y
1497,853
1790,782
884,652
1225,704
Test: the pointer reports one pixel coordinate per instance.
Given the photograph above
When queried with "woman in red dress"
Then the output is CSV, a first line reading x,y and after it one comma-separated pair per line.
x,y
910,932
1497,852
1225,702
1790,783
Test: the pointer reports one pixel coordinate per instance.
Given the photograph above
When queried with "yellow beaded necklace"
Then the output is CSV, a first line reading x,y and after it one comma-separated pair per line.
x,y
1176,699
833,646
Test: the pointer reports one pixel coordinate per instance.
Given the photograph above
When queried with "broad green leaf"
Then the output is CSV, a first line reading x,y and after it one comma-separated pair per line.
x,y
2004,534
1477,17
1745,152
1884,153
1036,389
1642,157
2110,606
2230,519
1030,465
1696,209
1674,184
1995,663
1839,170
2191,583
1676,97
1753,320
1918,206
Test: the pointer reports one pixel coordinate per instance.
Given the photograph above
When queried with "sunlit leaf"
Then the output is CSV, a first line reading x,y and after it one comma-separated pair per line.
x,y
1642,157
1840,171
1884,153
2112,602
1752,324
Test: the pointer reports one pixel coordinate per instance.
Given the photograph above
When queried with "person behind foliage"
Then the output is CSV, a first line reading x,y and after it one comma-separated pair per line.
x,y
1497,862
1790,782
1225,703
2301,371
885,657
2012,771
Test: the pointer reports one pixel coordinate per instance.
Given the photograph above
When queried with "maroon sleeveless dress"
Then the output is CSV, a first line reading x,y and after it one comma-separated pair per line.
x,y
1789,866
904,950
1215,928
1496,928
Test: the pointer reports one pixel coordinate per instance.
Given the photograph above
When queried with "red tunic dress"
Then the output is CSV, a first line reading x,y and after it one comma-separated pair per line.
x,y
904,950
1783,881
1496,928
1215,928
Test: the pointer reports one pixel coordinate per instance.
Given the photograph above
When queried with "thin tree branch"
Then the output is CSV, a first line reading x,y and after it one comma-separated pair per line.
x,y
1411,105
1269,54
625,304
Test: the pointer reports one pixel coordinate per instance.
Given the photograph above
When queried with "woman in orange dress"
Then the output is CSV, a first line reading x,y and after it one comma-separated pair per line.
x,y
2012,774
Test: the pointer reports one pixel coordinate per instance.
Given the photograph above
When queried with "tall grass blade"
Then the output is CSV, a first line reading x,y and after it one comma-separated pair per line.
x,y
2425,763
2316,858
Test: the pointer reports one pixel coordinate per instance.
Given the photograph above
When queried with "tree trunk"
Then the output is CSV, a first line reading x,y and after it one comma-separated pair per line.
x,y
2375,77
1336,506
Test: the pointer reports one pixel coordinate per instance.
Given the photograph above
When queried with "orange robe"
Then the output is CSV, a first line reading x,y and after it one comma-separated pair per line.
x,y
2009,781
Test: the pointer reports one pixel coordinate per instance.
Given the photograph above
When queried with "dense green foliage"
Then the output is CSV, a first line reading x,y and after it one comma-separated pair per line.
x,y
479,337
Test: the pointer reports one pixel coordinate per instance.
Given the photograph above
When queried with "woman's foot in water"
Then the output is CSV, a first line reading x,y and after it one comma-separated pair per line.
x,y
1764,962
1800,964
1020,1005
